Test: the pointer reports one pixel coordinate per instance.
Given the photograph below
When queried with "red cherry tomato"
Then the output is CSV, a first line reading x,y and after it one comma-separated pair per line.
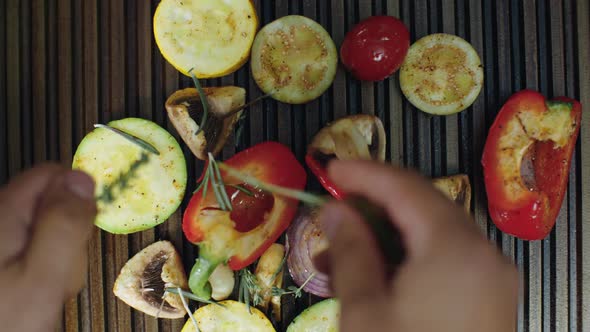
x,y
375,48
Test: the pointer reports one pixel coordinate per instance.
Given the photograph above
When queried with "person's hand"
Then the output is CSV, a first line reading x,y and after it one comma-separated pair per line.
x,y
46,215
451,280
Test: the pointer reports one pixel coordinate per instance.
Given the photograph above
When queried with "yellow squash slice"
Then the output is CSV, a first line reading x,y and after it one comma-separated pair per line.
x,y
231,316
294,59
213,37
442,74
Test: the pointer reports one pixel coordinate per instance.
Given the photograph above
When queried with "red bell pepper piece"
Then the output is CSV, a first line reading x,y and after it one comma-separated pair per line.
x,y
526,162
256,221
321,174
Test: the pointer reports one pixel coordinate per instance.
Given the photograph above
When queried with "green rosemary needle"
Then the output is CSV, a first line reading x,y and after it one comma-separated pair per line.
x,y
187,309
240,129
242,189
280,268
305,197
135,140
122,181
189,295
249,287
204,102
297,291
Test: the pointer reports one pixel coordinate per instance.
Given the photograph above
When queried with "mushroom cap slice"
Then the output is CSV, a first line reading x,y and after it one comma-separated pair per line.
x,y
353,137
456,187
185,111
144,277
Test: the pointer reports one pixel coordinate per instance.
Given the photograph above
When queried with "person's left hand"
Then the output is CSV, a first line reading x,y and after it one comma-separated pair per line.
x,y
46,215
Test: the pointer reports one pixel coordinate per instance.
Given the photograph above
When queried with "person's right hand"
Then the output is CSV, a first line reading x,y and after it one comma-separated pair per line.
x,y
452,279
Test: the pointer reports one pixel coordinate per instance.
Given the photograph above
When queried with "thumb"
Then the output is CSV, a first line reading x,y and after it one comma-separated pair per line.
x,y
357,268
62,222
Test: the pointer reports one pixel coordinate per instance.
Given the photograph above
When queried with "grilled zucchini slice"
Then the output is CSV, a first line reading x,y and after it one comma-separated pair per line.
x,y
294,59
442,74
212,37
230,316
156,190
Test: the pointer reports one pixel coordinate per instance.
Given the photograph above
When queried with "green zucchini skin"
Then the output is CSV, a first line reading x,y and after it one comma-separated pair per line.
x,y
323,316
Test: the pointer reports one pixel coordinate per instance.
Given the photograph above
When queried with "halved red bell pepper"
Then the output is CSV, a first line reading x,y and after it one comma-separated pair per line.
x,y
319,170
354,137
256,221
526,162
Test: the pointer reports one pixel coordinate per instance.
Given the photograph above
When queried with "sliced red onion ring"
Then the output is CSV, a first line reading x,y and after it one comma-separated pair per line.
x,y
305,240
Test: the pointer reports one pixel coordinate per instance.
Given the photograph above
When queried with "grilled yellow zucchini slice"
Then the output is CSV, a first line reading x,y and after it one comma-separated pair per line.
x,y
442,74
294,59
212,37
231,316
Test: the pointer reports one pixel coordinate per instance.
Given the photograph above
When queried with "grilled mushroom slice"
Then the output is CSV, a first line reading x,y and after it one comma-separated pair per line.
x,y
456,188
144,277
350,138
185,111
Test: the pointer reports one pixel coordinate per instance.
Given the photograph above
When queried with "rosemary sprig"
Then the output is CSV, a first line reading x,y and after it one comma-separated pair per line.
x,y
213,177
189,295
240,129
235,186
250,103
188,310
218,184
122,181
242,189
249,287
204,102
161,307
305,197
297,291
183,296
135,140
241,121
204,184
280,268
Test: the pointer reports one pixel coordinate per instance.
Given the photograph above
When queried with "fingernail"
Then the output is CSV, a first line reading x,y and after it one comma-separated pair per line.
x,y
331,219
80,184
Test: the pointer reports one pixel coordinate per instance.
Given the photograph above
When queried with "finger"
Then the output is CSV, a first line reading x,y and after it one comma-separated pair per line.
x,y
24,189
421,213
356,265
321,262
17,203
63,221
